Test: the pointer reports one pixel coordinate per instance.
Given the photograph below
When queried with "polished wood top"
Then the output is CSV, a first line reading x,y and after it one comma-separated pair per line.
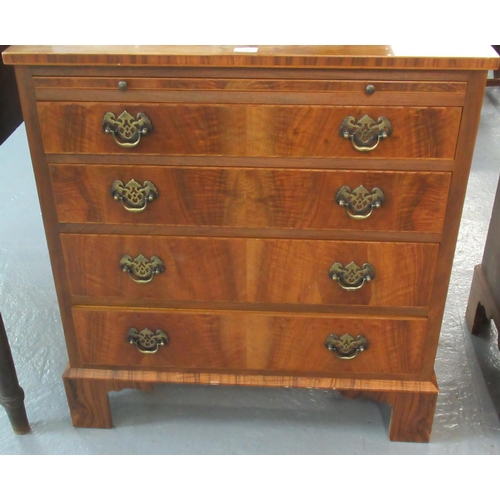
x,y
318,56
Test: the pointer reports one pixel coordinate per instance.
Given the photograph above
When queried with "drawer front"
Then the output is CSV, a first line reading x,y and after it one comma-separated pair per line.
x,y
248,130
249,270
252,198
242,341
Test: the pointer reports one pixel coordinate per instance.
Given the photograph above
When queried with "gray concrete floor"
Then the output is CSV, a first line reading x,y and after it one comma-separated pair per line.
x,y
179,419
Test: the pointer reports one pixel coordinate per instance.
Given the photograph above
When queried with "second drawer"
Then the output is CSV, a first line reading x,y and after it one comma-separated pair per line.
x,y
250,270
251,198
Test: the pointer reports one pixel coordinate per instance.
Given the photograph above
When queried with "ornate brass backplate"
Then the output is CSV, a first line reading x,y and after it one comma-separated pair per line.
x,y
365,134
359,203
141,269
147,341
346,347
127,130
351,277
134,196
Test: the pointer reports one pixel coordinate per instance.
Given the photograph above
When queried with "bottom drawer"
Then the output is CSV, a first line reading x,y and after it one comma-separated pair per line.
x,y
256,341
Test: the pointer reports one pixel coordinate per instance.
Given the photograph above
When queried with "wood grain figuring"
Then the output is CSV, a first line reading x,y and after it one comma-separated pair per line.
x,y
256,73
247,157
200,269
251,198
244,130
304,163
362,310
304,56
289,271
413,403
250,270
255,91
246,232
88,403
255,85
244,341
412,413
259,97
122,378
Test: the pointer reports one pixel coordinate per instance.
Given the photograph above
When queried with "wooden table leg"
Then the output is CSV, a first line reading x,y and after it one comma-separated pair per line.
x,y
412,412
88,402
11,393
88,391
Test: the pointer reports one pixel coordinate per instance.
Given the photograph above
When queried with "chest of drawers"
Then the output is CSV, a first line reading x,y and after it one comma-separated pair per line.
x,y
285,218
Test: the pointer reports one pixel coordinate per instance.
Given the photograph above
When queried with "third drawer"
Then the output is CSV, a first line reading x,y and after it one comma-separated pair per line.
x,y
251,270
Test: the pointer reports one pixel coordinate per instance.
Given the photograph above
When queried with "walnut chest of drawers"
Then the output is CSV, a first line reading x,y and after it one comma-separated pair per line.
x,y
282,217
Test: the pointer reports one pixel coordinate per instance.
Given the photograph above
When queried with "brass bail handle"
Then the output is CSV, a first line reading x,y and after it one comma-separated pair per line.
x,y
127,130
359,203
351,277
133,195
366,133
142,270
147,341
346,347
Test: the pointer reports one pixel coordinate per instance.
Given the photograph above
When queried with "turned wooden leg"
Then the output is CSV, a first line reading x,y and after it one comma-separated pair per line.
x,y
88,402
412,413
11,393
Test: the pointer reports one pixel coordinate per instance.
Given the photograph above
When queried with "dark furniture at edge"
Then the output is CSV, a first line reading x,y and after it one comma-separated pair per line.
x,y
11,394
10,107
484,298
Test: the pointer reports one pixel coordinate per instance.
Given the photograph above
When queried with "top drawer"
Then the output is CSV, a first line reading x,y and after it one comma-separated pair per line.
x,y
271,130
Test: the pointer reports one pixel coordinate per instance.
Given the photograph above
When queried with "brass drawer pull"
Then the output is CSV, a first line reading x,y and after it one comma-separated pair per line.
x,y
365,134
126,128
141,269
146,341
351,277
134,196
346,347
359,203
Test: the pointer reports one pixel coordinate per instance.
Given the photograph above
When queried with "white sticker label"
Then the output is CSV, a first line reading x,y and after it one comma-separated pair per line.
x,y
251,50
